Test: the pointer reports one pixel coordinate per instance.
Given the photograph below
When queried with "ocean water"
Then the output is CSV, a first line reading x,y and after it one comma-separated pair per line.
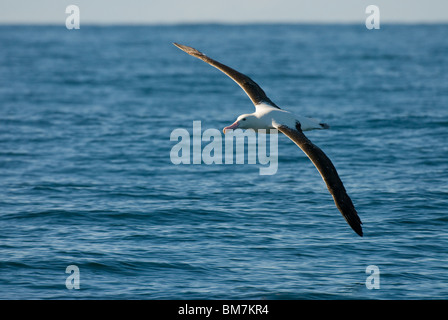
x,y
86,176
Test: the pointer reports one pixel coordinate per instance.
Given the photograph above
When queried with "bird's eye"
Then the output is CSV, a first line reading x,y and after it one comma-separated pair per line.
x,y
244,119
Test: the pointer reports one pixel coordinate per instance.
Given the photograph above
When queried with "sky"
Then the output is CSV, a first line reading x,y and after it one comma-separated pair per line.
x,y
221,11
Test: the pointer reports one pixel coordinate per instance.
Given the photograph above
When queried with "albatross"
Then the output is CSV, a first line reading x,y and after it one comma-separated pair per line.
x,y
268,115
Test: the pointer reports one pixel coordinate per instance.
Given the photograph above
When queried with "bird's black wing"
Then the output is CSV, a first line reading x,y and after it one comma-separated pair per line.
x,y
252,89
329,175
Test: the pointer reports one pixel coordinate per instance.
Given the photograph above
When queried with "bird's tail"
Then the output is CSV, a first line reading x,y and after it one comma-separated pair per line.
x,y
324,126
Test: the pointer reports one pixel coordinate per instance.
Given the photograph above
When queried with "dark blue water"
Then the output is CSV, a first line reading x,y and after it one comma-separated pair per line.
x,y
86,177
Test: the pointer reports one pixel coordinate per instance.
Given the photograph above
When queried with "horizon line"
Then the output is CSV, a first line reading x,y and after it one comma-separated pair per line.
x,y
224,23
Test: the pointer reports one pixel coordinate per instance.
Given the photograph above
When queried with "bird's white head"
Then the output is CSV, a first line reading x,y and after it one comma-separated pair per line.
x,y
244,121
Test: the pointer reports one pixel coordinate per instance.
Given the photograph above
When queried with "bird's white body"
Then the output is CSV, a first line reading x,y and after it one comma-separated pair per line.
x,y
269,117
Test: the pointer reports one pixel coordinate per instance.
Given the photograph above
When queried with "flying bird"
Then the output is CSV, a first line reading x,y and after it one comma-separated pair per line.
x,y
268,115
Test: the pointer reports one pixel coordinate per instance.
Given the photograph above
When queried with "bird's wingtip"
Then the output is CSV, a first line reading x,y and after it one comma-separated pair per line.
x,y
358,229
191,51
180,46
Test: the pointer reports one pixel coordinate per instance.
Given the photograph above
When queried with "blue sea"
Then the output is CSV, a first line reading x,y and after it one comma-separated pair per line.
x,y
86,178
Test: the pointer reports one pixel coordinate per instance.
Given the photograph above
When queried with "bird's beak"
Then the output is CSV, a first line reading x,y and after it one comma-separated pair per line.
x,y
233,126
